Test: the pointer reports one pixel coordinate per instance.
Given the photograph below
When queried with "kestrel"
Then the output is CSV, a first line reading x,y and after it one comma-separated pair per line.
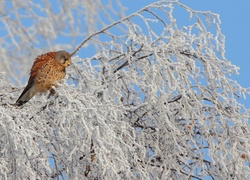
x,y
47,69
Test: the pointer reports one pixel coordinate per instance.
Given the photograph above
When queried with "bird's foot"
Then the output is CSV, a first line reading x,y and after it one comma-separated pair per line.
x,y
51,93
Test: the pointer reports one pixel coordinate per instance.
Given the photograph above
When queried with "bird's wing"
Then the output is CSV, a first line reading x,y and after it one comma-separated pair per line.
x,y
27,94
39,62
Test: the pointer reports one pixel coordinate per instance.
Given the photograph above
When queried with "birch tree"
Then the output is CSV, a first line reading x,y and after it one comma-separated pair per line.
x,y
154,101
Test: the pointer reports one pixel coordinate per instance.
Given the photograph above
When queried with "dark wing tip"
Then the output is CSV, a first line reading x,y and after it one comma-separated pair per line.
x,y
22,100
20,103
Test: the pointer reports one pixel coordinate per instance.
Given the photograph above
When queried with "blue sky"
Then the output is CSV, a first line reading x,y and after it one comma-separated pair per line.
x,y
235,25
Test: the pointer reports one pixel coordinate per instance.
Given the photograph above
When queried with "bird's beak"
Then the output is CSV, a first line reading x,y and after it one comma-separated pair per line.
x,y
67,62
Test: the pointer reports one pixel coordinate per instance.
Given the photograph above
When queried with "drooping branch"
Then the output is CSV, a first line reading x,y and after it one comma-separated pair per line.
x,y
120,21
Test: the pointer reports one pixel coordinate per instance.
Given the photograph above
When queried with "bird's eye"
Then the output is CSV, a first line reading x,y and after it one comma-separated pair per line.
x,y
64,59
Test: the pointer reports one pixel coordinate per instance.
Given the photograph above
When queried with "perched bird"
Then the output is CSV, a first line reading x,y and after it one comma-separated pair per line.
x,y
47,69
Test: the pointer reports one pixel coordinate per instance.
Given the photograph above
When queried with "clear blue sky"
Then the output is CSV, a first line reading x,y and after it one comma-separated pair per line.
x,y
235,25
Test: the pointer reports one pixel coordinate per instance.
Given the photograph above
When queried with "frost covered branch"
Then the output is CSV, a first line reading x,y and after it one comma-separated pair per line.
x,y
30,28
155,101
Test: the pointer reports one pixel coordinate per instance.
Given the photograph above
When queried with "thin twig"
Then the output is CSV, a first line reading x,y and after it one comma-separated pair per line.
x,y
115,23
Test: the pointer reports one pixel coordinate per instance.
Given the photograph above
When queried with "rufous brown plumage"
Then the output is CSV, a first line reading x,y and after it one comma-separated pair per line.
x,y
47,69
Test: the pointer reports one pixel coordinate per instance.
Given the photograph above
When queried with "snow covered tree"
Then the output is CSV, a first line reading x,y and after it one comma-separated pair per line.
x,y
154,101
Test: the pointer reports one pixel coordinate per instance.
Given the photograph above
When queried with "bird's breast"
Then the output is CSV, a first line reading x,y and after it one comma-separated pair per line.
x,y
48,75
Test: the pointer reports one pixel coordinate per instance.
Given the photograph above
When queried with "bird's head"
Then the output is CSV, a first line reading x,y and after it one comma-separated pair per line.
x,y
63,57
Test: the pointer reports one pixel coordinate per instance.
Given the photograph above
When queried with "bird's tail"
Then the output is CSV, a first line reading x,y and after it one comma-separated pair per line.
x,y
27,94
